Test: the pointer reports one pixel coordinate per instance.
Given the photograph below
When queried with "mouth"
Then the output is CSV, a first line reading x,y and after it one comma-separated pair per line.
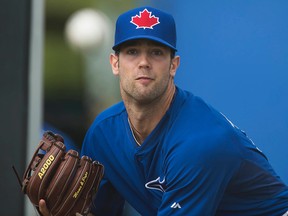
x,y
139,78
144,80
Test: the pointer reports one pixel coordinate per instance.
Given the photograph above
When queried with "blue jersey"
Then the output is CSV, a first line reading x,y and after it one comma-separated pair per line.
x,y
195,162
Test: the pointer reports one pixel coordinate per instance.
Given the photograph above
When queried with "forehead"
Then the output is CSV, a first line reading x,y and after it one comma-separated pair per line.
x,y
140,42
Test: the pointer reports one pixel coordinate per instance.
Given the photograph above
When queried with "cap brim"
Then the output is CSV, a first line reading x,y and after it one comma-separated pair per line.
x,y
116,46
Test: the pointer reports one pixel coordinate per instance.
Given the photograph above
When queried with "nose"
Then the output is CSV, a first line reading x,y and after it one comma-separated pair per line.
x,y
144,61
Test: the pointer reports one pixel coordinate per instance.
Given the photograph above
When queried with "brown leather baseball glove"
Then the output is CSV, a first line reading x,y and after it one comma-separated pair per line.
x,y
64,180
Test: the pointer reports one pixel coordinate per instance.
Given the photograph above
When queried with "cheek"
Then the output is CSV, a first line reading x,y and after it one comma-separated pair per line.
x,y
123,79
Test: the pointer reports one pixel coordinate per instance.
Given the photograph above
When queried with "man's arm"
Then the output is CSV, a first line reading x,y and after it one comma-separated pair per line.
x,y
107,200
195,179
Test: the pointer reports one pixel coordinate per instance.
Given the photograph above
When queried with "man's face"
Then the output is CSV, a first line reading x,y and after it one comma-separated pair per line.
x,y
145,69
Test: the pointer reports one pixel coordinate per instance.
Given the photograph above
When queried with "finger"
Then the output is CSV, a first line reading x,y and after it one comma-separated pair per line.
x,y
43,208
89,214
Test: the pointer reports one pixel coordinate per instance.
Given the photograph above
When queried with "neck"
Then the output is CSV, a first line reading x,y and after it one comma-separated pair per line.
x,y
143,119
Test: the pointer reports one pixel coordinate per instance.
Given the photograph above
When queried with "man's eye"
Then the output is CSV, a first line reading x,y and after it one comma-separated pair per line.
x,y
132,52
157,52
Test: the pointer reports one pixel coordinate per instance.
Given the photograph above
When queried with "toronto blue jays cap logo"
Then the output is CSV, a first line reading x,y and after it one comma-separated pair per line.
x,y
145,19
145,23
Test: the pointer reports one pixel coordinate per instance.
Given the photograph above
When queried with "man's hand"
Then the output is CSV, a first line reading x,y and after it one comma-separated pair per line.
x,y
65,181
43,208
45,211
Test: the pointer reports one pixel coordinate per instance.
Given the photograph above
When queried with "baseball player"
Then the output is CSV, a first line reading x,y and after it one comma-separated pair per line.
x,y
165,150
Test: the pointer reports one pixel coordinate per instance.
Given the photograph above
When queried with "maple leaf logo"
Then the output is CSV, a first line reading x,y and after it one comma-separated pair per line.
x,y
145,20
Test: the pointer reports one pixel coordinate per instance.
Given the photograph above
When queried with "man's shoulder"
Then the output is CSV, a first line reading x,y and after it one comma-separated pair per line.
x,y
106,120
113,111
189,100
199,121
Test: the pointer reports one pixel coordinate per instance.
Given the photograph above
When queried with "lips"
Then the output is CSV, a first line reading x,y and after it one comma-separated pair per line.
x,y
144,79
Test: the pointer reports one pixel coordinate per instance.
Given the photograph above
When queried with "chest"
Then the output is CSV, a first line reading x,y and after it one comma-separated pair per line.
x,y
138,174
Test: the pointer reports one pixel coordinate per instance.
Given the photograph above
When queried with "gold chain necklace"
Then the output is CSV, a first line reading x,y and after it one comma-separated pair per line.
x,y
130,125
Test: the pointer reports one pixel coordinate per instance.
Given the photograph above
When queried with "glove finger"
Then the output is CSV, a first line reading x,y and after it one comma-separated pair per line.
x,y
80,188
43,173
62,179
74,190
91,185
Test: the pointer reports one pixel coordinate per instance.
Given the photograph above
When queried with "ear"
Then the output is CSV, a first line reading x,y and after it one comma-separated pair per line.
x,y
114,62
175,62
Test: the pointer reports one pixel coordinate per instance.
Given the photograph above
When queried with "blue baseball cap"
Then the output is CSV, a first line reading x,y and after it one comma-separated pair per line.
x,y
145,23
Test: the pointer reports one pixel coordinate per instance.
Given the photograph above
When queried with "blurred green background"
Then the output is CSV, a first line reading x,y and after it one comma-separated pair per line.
x,y
64,68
